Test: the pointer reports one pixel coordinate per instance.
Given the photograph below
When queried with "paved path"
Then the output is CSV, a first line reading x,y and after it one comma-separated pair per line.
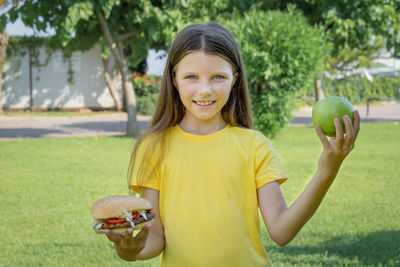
x,y
18,127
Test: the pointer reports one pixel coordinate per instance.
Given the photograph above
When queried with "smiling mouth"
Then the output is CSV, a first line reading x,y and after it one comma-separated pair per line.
x,y
204,103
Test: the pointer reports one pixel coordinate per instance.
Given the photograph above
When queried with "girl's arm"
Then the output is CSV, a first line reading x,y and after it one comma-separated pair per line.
x,y
149,242
284,223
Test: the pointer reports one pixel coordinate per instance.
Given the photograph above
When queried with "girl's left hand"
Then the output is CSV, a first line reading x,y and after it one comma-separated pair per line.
x,y
337,148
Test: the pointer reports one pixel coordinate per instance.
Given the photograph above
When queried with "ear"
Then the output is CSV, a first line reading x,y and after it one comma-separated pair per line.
x,y
235,76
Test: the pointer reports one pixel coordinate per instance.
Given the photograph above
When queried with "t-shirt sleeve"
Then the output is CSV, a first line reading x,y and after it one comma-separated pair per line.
x,y
268,167
144,172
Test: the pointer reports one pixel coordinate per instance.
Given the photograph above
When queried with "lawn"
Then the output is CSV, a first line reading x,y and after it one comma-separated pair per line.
x,y
49,185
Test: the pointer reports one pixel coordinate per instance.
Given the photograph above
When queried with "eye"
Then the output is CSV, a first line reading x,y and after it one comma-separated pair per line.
x,y
190,77
219,77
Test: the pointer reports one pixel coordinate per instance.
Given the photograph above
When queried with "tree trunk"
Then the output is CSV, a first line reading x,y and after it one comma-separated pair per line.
x,y
319,92
3,47
1,82
110,85
132,128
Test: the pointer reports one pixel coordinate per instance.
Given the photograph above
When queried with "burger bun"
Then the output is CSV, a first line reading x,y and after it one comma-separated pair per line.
x,y
112,206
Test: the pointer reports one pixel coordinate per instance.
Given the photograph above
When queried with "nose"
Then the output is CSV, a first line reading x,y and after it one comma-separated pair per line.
x,y
205,88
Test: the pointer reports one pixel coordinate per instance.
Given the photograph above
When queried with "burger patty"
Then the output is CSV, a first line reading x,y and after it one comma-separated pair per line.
x,y
150,215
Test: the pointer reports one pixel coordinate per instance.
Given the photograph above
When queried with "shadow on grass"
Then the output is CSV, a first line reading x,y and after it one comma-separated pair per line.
x,y
373,249
27,132
103,126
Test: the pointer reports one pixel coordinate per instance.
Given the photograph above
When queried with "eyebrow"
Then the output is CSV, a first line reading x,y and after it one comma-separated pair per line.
x,y
214,73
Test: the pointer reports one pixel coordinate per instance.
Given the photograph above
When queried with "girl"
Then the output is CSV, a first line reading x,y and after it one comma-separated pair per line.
x,y
205,170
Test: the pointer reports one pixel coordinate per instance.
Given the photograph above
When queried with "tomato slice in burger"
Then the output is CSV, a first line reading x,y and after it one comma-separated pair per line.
x,y
116,220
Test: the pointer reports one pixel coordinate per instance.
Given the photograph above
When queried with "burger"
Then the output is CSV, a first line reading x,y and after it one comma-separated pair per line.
x,y
119,213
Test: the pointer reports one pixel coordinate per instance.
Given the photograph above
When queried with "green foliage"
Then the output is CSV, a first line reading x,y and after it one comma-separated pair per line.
x,y
358,89
282,54
78,11
146,105
139,23
358,29
176,14
18,43
146,88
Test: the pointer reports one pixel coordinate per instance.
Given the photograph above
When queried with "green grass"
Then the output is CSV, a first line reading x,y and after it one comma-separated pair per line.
x,y
49,185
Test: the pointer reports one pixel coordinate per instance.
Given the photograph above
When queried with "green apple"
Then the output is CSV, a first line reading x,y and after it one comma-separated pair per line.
x,y
326,110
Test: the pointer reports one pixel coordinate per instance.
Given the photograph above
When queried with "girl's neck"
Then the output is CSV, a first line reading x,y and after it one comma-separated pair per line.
x,y
203,127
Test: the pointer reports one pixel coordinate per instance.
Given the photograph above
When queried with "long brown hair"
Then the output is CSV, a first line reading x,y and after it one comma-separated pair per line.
x,y
210,38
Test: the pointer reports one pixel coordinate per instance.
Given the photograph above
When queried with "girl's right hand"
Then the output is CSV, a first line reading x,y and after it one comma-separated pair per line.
x,y
128,247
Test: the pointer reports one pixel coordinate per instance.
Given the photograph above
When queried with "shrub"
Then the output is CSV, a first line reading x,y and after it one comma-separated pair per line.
x,y
282,54
146,105
358,89
146,89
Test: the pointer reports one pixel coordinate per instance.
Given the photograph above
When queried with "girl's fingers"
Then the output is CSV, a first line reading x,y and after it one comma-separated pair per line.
x,y
339,130
348,126
349,131
117,238
322,137
112,236
127,235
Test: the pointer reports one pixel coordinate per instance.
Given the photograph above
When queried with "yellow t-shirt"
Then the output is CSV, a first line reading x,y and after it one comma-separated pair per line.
x,y
208,198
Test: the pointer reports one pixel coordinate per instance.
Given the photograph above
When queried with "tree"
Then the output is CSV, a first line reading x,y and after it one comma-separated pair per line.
x,y
3,46
357,29
116,25
111,82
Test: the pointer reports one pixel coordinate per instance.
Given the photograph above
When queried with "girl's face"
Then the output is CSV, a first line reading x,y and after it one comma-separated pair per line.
x,y
204,83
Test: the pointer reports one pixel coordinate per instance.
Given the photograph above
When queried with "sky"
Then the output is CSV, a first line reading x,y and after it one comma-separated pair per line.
x,y
155,65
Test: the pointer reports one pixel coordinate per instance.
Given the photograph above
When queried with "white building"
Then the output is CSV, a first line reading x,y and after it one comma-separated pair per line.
x,y
49,87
